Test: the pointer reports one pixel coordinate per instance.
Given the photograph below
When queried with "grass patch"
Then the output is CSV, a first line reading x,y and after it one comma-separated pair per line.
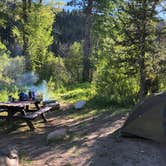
x,y
75,92
95,105
24,159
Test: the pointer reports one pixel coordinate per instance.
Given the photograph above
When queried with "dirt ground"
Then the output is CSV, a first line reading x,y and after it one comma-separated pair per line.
x,y
90,142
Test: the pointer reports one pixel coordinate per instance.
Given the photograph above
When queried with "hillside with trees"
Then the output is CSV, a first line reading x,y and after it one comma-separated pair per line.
x,y
117,46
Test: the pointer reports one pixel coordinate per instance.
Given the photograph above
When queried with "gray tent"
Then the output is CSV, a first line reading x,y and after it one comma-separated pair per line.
x,y
148,119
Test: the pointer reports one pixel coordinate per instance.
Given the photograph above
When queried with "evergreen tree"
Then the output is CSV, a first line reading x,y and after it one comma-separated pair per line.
x,y
87,6
68,28
139,21
121,56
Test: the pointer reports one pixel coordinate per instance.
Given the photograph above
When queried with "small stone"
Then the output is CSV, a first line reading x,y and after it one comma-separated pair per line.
x,y
80,105
57,135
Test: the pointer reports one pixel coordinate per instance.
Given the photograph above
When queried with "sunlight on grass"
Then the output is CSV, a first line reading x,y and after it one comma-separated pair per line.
x,y
87,113
86,92
74,93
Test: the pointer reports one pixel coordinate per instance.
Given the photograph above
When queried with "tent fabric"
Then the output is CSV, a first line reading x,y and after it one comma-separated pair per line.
x,y
148,119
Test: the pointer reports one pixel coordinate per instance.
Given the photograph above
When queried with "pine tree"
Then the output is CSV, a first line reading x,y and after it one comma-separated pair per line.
x,y
87,6
139,21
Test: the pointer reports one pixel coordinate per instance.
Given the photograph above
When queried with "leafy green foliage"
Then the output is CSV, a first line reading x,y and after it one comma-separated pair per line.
x,y
126,35
115,86
54,71
15,68
119,49
139,26
2,49
74,62
113,83
69,27
38,30
10,71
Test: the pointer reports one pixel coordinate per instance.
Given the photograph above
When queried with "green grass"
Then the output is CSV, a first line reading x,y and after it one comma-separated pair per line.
x,y
75,92
23,159
94,106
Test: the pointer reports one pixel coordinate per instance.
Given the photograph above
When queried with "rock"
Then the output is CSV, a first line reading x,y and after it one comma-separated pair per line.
x,y
9,157
57,135
79,105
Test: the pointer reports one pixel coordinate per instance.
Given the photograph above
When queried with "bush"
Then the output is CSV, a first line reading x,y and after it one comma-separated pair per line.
x,y
10,70
74,62
54,72
15,68
116,87
3,95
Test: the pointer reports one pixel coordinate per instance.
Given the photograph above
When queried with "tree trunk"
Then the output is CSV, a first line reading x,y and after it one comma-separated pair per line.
x,y
28,65
87,42
143,90
29,4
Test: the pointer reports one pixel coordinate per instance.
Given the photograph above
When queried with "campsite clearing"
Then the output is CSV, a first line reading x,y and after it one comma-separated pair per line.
x,y
92,140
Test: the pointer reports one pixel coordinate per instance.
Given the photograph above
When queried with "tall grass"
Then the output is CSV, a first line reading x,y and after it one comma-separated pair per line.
x,y
75,92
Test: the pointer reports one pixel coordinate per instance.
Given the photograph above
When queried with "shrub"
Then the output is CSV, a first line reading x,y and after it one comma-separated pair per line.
x,y
54,72
74,62
114,86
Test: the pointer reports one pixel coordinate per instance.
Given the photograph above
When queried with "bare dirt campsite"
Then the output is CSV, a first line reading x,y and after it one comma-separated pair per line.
x,y
90,140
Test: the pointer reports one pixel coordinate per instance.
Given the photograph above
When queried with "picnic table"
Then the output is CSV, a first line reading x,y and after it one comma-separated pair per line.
x,y
19,110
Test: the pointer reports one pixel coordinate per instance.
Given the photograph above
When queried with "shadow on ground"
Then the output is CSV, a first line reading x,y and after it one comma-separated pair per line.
x,y
91,141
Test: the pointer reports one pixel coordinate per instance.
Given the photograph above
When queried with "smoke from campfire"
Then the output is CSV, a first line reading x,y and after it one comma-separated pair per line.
x,y
28,81
41,89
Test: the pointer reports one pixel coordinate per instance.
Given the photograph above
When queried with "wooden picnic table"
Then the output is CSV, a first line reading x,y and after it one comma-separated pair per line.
x,y
13,107
19,106
16,103
20,110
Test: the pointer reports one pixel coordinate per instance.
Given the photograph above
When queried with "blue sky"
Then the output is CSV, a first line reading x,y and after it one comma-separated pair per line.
x,y
64,1
67,7
163,15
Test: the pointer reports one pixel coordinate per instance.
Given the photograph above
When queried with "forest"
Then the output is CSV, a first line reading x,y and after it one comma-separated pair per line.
x,y
117,47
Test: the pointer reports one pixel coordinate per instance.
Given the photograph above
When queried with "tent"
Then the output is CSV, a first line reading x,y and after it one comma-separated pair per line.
x,y
148,119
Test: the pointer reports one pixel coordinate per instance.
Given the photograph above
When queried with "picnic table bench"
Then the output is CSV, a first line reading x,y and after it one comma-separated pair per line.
x,y
30,116
2,110
21,111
